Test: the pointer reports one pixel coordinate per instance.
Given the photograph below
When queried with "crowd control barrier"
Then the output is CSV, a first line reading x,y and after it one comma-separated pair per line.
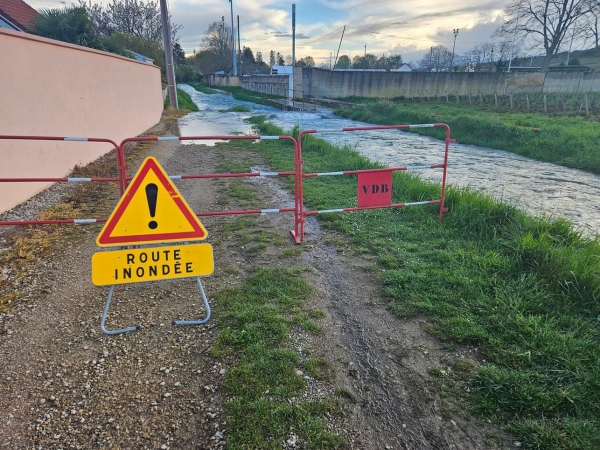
x,y
374,186
120,161
296,174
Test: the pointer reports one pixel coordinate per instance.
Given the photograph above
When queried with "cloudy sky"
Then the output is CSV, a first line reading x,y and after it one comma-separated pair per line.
x,y
408,28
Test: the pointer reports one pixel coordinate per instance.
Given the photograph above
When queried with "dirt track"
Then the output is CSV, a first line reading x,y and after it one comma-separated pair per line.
x,y
66,385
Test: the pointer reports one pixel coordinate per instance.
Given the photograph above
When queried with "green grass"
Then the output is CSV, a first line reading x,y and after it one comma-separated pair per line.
x,y
523,290
201,87
236,108
239,93
255,319
183,100
564,140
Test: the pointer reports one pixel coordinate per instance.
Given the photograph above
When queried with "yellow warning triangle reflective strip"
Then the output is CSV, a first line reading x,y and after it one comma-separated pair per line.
x,y
151,210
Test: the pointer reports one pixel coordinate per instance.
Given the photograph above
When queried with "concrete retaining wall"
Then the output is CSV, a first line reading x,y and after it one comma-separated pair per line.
x,y
339,84
267,84
217,80
572,82
56,89
325,83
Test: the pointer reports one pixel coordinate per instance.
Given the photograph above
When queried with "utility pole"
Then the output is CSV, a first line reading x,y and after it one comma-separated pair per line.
x,y
166,28
365,59
570,46
239,44
430,56
233,42
293,35
291,77
330,61
455,31
340,46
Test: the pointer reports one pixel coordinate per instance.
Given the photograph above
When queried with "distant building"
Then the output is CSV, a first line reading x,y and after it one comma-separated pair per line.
x,y
402,67
16,15
282,70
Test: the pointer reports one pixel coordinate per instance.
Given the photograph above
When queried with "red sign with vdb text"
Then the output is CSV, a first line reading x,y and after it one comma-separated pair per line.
x,y
375,188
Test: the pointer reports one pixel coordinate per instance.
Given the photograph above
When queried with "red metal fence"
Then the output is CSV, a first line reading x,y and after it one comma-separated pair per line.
x,y
374,186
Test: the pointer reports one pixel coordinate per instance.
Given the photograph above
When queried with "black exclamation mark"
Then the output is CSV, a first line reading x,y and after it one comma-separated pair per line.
x,y
152,196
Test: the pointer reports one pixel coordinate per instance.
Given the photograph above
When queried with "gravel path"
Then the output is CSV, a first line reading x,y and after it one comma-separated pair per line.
x,y
66,385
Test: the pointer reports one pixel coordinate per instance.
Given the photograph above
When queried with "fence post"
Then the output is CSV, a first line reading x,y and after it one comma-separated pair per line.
x,y
447,101
587,108
496,99
545,105
511,102
527,99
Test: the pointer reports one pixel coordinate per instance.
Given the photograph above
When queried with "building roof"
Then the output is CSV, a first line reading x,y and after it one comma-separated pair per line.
x,y
18,13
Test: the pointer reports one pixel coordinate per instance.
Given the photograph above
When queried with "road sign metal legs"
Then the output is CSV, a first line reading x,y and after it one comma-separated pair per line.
x,y
137,327
106,306
201,321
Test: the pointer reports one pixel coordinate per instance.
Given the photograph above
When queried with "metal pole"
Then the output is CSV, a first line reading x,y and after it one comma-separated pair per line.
x,y
293,34
291,76
239,43
340,46
455,31
365,58
166,27
430,56
570,46
233,42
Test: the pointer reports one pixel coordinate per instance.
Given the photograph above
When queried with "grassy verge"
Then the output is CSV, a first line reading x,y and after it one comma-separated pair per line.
x,y
568,141
259,321
28,248
236,108
522,290
185,101
201,87
240,93
266,381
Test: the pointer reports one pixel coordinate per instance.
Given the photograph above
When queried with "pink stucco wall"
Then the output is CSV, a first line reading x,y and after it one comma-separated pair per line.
x,y
56,89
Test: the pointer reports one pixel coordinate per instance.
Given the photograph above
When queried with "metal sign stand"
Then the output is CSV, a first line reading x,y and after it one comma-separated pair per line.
x,y
137,327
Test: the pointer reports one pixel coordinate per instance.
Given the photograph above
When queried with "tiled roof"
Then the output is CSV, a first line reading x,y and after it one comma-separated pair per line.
x,y
18,12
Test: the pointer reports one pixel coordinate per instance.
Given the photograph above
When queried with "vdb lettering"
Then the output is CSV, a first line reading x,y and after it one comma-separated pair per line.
x,y
375,189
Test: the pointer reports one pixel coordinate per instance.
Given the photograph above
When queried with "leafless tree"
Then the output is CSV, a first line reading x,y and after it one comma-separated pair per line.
x,y
590,25
543,22
216,44
438,59
129,16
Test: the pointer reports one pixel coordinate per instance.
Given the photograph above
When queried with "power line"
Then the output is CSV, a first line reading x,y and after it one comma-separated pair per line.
x,y
321,37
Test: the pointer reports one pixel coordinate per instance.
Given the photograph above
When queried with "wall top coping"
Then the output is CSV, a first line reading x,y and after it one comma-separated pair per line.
x,y
43,40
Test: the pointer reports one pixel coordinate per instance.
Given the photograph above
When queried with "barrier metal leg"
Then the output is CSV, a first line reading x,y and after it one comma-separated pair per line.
x,y
197,322
104,314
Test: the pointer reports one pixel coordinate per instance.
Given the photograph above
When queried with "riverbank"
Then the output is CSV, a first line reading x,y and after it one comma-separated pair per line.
x,y
567,141
300,351
522,291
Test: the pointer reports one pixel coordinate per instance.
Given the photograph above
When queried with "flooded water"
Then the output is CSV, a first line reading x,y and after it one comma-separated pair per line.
x,y
538,187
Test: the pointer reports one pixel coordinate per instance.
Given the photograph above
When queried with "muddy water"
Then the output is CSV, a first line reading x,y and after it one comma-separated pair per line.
x,y
540,188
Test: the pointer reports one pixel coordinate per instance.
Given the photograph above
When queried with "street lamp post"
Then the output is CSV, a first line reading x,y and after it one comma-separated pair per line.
x,y
233,42
365,58
455,31
430,56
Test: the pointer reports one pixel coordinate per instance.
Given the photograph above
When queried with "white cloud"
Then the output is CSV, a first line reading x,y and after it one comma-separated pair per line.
x,y
384,26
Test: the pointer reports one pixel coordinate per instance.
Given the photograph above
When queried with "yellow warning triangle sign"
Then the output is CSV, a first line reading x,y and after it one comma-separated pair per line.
x,y
151,210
